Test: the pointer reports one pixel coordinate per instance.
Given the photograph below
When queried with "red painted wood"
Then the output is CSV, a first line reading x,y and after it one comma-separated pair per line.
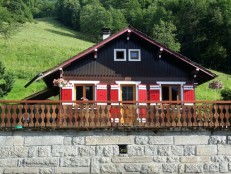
x,y
114,92
101,92
189,93
66,94
142,93
154,93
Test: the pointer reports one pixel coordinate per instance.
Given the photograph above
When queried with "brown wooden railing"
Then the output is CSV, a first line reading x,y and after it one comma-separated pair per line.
x,y
91,115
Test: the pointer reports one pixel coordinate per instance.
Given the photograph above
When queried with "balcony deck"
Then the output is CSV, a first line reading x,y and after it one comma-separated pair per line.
x,y
130,115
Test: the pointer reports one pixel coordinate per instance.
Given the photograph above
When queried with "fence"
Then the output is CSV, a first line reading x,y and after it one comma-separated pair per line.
x,y
91,115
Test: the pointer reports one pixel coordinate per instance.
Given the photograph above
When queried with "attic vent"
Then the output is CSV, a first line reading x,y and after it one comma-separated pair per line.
x,y
106,33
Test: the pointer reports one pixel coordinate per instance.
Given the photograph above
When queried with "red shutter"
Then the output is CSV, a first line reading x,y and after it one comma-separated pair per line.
x,y
114,92
101,93
142,96
142,93
154,92
66,94
114,95
189,93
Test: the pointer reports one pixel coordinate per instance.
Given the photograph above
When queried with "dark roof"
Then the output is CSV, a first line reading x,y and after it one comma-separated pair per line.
x,y
106,41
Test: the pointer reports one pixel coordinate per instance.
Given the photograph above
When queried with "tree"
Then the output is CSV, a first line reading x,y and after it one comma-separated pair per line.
x,y
6,81
165,34
94,17
118,20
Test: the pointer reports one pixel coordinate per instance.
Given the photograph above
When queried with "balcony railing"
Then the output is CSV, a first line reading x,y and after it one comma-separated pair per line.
x,y
92,114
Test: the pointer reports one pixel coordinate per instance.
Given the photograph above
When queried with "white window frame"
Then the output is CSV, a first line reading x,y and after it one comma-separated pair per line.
x,y
129,55
172,83
125,55
135,83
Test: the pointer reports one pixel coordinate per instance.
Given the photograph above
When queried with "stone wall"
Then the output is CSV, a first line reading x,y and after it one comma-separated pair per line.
x,y
128,152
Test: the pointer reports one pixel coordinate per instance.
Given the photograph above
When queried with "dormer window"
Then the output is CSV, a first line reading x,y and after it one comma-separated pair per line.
x,y
134,55
119,54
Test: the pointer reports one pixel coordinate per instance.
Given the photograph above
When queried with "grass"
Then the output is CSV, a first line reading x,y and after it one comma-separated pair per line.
x,y
37,47
43,44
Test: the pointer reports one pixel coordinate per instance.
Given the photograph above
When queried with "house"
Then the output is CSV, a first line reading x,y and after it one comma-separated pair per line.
x,y
127,66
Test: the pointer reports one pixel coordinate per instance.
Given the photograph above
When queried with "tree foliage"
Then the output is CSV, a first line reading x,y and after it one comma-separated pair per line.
x,y
6,81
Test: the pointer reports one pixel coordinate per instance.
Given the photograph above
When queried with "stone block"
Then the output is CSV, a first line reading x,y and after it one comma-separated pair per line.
x,y
141,140
135,150
132,159
6,140
33,151
177,150
150,169
193,168
206,150
211,168
75,162
41,162
18,140
86,150
229,139
172,159
194,159
46,170
5,152
72,170
161,140
159,159
224,149
150,150
78,140
170,168
164,150
191,140
132,167
67,140
189,150
63,150
217,140
95,169
105,140
223,167
100,160
44,151
107,151
218,158
43,140
19,151
108,169
8,162
181,168
23,170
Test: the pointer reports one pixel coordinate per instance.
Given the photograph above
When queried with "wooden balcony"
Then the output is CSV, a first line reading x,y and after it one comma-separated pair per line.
x,y
132,115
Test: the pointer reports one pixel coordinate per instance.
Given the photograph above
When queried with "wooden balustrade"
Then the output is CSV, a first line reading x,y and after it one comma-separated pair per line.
x,y
90,115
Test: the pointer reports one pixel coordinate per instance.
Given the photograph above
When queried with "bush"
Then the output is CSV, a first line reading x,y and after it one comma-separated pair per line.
x,y
226,94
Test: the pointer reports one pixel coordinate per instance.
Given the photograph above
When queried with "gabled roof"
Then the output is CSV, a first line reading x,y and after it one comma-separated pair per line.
x,y
108,40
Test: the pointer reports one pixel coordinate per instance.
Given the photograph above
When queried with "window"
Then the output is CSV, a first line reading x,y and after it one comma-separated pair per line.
x,y
171,93
84,92
119,54
128,92
134,55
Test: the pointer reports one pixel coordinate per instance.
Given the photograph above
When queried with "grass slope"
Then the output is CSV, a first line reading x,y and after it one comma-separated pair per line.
x,y
43,44
37,47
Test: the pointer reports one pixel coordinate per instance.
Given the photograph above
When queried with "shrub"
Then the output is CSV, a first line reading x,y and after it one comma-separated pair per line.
x,y
226,94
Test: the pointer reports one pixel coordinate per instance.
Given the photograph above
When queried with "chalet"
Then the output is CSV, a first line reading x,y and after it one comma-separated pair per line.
x,y
127,66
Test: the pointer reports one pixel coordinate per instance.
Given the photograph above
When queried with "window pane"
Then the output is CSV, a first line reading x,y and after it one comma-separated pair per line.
x,y
175,92
89,92
165,93
127,93
79,92
119,54
134,55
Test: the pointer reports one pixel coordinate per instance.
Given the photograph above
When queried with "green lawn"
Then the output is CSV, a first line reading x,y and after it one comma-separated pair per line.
x,y
37,47
43,44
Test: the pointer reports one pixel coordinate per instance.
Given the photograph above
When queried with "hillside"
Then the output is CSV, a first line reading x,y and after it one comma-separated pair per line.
x,y
37,47
45,43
